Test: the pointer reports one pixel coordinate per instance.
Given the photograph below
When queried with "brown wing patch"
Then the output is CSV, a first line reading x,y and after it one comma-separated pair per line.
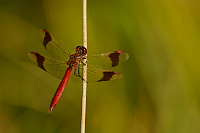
x,y
114,58
47,38
40,60
107,76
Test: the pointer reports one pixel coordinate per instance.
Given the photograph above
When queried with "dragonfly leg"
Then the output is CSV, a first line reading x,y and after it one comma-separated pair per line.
x,y
79,74
84,63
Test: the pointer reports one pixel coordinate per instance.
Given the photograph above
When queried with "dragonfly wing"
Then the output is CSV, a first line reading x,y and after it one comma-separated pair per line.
x,y
106,60
98,75
54,67
53,47
95,75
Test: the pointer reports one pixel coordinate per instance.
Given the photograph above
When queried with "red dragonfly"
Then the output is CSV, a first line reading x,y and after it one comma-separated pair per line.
x,y
63,64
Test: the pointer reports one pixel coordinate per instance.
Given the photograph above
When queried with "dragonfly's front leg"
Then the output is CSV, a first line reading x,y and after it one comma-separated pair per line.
x,y
84,63
78,73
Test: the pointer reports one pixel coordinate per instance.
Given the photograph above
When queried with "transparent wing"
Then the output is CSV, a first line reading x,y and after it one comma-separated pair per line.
x,y
95,75
53,67
53,47
58,69
106,60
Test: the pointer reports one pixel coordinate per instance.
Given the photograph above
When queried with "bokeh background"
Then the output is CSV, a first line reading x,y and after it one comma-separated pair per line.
x,y
160,92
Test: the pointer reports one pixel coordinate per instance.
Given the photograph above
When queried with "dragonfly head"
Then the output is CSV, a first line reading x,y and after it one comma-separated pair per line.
x,y
81,50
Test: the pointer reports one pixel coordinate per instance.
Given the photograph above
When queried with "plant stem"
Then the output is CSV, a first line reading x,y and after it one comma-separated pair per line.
x,y
84,87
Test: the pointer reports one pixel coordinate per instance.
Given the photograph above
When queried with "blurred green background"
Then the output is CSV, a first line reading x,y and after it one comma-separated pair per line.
x,y
160,92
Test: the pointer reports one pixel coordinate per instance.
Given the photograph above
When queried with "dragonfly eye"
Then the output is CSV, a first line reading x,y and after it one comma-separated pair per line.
x,y
78,48
81,49
84,51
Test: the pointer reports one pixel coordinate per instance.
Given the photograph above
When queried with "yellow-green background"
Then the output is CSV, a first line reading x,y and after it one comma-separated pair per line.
x,y
161,89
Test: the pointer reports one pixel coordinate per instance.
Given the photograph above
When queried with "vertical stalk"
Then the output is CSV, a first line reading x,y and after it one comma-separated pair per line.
x,y
84,89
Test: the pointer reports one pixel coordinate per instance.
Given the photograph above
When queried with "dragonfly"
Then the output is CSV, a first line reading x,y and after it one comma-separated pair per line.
x,y
64,65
